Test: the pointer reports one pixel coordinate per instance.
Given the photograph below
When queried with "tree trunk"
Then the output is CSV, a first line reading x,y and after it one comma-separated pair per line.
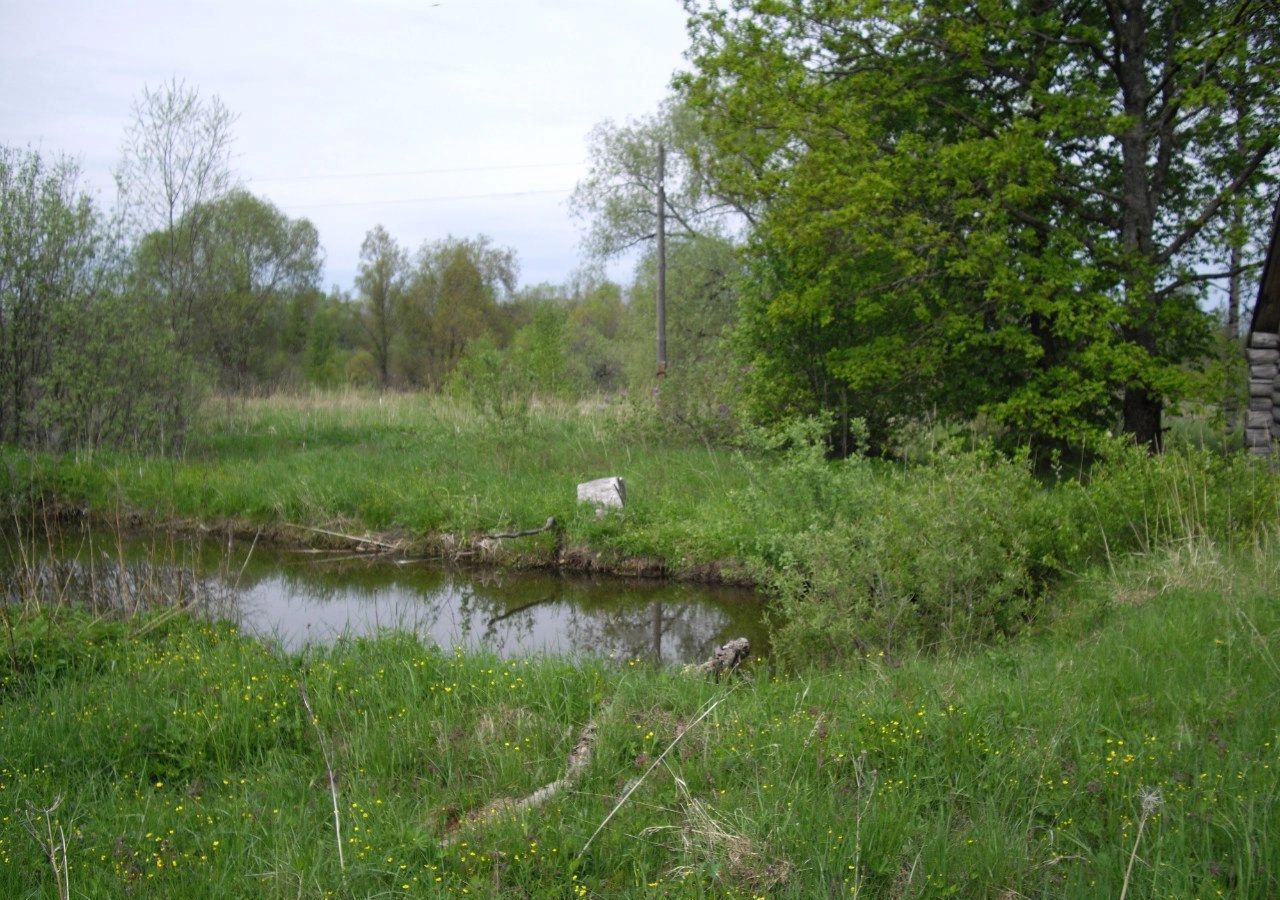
x,y
1142,408
1231,399
1143,411
1231,396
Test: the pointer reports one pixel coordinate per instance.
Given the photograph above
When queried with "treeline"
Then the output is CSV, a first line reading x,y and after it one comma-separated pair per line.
x,y
116,322
108,340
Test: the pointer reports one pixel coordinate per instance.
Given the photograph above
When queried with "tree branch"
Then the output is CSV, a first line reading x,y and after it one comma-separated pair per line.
x,y
1194,227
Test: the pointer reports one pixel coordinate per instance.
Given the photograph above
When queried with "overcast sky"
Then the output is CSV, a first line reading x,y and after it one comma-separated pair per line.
x,y
359,113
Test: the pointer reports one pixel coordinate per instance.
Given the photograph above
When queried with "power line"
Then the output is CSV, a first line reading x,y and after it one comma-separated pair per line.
x,y
438,199
449,171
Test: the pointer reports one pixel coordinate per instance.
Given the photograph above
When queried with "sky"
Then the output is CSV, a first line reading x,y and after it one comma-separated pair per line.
x,y
431,118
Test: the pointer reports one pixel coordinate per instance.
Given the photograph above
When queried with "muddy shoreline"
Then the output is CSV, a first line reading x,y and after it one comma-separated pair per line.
x,y
539,552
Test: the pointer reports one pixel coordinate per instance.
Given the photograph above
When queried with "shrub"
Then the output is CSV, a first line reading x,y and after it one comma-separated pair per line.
x,y
861,555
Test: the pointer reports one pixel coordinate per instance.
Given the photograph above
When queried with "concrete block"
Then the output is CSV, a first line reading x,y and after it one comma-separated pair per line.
x,y
604,493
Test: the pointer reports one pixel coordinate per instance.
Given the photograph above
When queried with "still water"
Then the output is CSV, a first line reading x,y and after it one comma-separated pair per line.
x,y
298,598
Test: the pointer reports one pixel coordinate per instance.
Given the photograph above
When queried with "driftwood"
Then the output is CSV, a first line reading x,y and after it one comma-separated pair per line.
x,y
579,756
349,537
504,535
726,659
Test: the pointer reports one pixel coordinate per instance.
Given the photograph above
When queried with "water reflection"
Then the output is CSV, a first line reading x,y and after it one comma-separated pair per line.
x,y
299,597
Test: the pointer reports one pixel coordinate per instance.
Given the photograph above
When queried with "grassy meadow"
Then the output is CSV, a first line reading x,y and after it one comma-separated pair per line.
x,y
1135,745
988,680
418,465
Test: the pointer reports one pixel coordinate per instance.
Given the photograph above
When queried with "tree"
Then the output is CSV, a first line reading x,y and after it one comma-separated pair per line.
x,y
596,345
252,262
703,277
49,243
539,352
176,162
379,286
257,260
452,297
82,363
985,206
618,198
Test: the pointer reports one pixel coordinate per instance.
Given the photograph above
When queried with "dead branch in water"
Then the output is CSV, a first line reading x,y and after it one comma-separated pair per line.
x,y
725,660
504,535
356,539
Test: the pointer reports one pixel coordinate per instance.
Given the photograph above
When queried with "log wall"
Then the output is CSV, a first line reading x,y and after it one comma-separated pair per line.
x,y
1262,422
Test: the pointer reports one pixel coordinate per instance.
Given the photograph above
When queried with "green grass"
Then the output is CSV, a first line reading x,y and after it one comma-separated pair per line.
x,y
186,767
422,465
970,546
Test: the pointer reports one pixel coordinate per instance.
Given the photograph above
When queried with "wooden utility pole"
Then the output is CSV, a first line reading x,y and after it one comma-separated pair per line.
x,y
662,263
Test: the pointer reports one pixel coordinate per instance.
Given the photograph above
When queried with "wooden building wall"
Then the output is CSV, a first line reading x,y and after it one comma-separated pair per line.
x,y
1262,423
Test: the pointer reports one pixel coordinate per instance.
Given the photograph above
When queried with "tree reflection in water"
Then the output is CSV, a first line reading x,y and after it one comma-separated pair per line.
x,y
299,597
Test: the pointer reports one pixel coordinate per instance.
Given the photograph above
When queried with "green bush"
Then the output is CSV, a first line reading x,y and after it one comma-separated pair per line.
x,y
893,557
865,556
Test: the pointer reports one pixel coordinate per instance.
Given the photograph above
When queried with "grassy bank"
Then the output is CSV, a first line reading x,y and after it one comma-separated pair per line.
x,y
423,467
182,763
968,545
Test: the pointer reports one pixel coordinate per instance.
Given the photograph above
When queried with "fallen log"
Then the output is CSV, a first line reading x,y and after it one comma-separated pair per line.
x,y
504,535
726,659
579,756
348,537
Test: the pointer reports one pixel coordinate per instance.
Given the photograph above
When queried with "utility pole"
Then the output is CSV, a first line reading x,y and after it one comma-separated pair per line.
x,y
662,263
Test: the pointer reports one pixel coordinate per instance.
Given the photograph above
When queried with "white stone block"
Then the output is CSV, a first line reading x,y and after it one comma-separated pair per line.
x,y
604,493
1264,340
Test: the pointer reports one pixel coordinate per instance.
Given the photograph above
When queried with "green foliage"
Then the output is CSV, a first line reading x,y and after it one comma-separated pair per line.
x,y
618,198
982,208
700,395
861,554
540,353
324,360
254,264
83,361
380,287
451,297
484,379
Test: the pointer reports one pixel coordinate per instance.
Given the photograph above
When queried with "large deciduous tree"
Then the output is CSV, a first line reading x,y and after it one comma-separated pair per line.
x,y
451,298
379,286
176,162
256,261
983,205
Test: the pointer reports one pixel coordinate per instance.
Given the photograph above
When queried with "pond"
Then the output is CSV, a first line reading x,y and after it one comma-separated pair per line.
x,y
299,597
